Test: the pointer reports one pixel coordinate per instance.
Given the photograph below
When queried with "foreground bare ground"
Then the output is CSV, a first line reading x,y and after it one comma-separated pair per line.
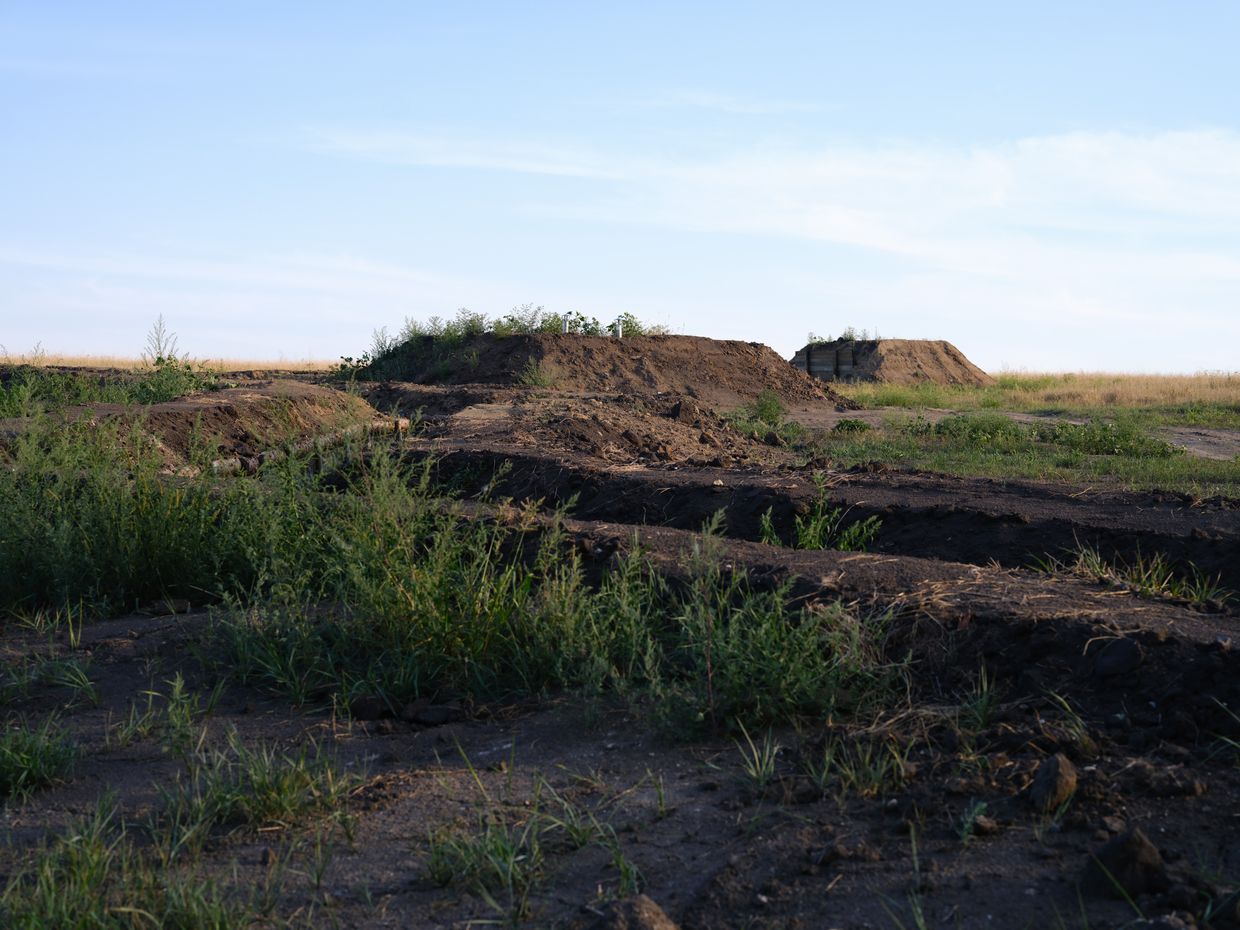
x,y
1052,722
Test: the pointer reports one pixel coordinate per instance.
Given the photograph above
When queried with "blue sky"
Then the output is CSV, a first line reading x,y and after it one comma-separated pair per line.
x,y
1051,186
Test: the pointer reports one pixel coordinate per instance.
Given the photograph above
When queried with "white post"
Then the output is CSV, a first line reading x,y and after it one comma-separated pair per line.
x,y
619,330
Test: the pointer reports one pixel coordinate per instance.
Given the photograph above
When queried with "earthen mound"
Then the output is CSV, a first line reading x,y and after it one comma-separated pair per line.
x,y
716,372
896,361
235,423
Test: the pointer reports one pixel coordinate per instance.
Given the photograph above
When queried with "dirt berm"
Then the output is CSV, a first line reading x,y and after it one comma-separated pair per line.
x,y
236,423
716,372
896,361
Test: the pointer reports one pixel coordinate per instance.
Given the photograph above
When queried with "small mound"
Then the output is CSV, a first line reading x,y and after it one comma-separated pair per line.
x,y
896,361
240,422
624,429
716,372
246,421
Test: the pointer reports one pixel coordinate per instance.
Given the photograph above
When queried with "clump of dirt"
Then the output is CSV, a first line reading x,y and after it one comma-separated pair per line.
x,y
631,430
896,361
716,372
620,429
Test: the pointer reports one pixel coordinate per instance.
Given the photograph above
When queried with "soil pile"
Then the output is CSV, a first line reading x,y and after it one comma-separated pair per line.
x,y
715,372
670,430
238,422
897,361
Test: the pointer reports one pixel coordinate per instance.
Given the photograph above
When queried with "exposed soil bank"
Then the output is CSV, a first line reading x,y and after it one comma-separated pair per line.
x,y
896,361
716,372
973,520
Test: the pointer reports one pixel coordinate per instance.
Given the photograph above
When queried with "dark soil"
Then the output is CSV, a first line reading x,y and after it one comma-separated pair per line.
x,y
717,373
1112,737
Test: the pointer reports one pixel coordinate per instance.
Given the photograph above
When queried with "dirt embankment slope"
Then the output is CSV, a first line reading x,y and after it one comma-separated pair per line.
x,y
722,373
234,423
905,361
896,361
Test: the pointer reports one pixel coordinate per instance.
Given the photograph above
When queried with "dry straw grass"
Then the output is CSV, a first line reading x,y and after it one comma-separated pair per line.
x,y
1081,392
1101,389
49,360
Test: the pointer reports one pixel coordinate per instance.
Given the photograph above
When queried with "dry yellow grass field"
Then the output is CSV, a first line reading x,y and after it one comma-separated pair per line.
x,y
117,361
1104,389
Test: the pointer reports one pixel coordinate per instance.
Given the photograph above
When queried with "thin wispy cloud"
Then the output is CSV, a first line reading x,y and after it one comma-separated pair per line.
x,y
1103,228
969,208
416,149
687,98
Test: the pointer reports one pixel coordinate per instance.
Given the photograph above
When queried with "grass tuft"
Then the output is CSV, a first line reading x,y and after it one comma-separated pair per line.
x,y
33,757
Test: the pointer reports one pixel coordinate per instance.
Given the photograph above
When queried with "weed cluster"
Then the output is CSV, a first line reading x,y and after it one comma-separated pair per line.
x,y
504,855
766,415
27,390
33,756
1147,576
386,354
240,786
373,584
823,526
96,876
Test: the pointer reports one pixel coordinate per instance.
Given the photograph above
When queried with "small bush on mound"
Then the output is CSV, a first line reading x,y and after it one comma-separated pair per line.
x,y
537,374
824,526
764,416
382,359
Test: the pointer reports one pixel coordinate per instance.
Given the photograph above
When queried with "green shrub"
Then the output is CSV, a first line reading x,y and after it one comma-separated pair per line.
x,y
1106,438
850,425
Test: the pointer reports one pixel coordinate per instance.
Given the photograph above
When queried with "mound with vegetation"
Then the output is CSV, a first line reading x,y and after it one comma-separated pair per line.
x,y
535,351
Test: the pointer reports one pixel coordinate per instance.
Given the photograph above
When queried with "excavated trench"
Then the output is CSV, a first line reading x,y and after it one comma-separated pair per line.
x,y
969,520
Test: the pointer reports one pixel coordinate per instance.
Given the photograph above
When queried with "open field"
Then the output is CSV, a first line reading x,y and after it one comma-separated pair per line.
x,y
1208,399
596,622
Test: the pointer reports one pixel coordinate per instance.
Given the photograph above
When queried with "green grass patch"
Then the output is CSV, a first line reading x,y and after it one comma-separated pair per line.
x,y
33,756
29,390
242,786
94,877
359,578
1119,452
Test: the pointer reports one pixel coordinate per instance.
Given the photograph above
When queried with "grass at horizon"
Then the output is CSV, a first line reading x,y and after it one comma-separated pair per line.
x,y
135,363
1205,400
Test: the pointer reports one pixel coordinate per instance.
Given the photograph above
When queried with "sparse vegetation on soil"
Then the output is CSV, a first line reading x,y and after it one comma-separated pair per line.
x,y
543,647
